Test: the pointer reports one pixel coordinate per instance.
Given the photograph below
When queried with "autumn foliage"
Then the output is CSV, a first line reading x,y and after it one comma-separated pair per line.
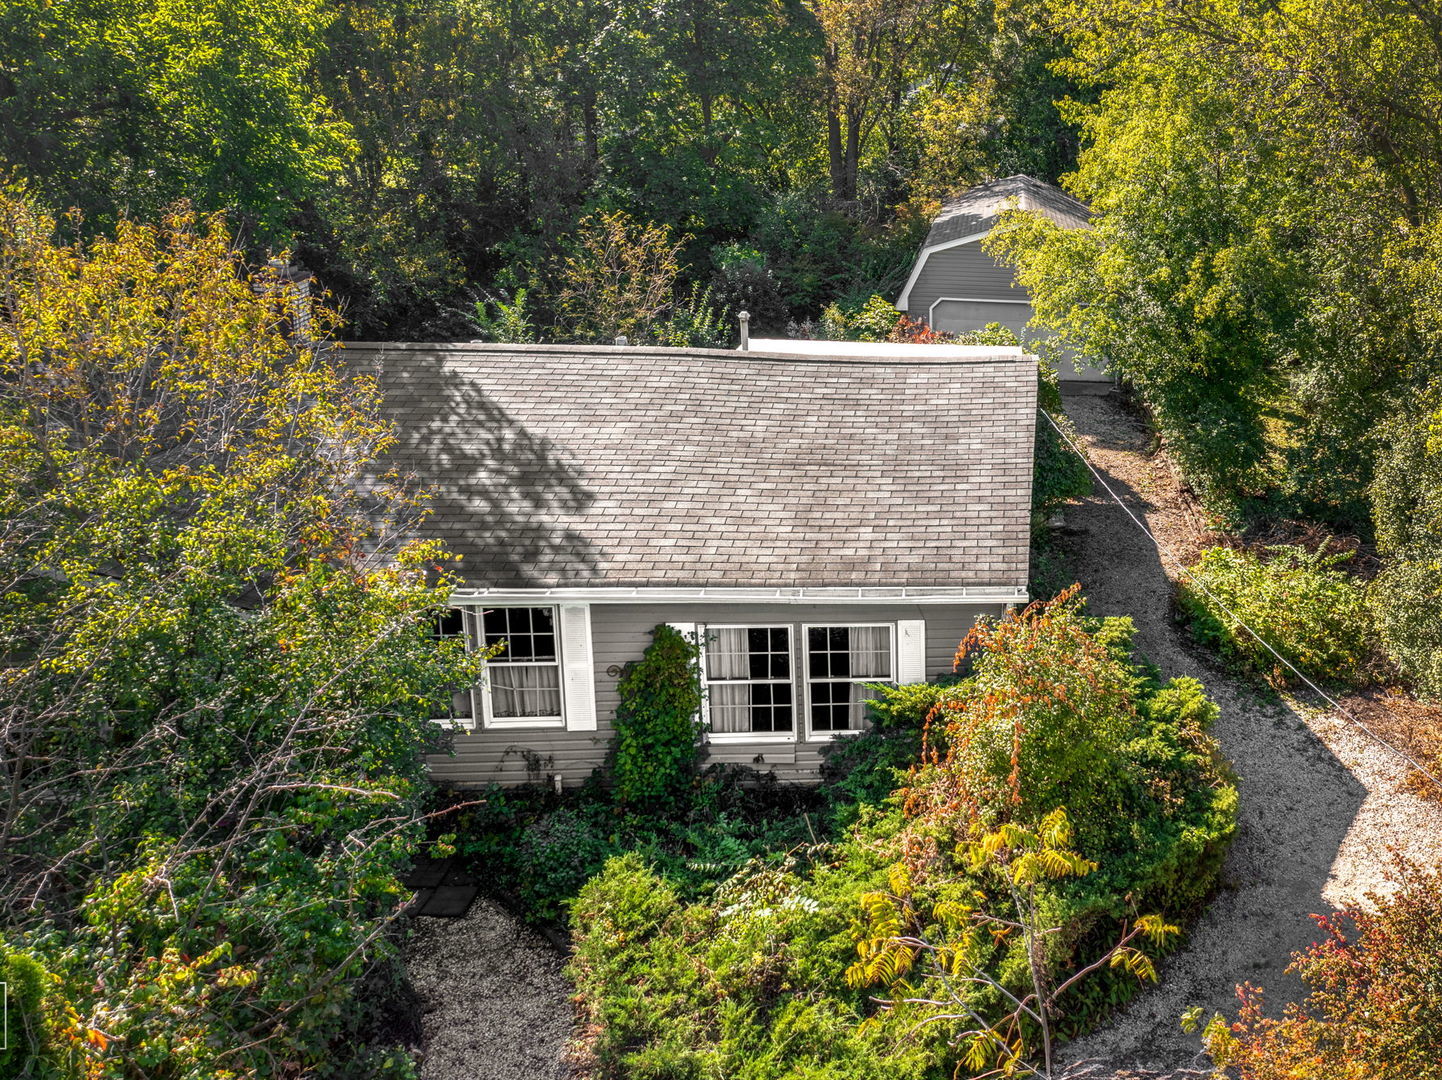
x,y
1066,803
1375,1011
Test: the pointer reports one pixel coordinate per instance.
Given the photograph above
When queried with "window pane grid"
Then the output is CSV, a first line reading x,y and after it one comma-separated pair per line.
x,y
525,677
840,661
748,678
450,625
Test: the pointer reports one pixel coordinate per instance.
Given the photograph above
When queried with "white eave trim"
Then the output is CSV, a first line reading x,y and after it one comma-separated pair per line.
x,y
966,594
905,298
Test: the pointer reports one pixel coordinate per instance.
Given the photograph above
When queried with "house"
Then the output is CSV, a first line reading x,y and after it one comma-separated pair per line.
x,y
819,521
955,286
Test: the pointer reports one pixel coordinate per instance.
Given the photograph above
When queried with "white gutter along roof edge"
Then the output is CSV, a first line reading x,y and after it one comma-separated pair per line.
x,y
620,594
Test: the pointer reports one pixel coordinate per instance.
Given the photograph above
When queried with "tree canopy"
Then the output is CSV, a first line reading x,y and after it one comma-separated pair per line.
x,y
219,660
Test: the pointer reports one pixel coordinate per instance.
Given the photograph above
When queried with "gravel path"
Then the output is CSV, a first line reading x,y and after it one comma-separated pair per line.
x,y
494,1003
1320,802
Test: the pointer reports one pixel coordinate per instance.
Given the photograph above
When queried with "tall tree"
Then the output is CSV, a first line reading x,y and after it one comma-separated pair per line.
x,y
121,106
219,662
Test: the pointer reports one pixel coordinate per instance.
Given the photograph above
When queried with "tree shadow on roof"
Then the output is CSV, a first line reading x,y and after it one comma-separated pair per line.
x,y
505,499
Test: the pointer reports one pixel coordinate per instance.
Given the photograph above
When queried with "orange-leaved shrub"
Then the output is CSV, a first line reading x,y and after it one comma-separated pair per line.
x,y
1375,1010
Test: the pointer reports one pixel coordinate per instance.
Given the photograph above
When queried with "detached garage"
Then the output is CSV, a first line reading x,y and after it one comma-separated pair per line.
x,y
955,286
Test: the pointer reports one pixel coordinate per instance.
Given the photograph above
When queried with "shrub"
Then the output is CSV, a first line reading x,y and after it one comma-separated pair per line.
x,y
658,722
909,706
618,277
1374,1012
1059,474
698,322
749,979
1056,716
749,983
1296,601
1407,506
559,853
39,1026
510,324
871,320
743,282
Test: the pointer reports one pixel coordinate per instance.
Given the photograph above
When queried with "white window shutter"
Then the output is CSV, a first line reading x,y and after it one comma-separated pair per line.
x,y
578,682
910,651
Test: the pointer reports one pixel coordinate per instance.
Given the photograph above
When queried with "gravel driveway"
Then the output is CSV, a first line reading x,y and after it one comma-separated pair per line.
x,y
494,1002
1320,802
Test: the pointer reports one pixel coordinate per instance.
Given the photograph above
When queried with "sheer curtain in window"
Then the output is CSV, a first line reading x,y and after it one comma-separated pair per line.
x,y
870,649
729,657
524,690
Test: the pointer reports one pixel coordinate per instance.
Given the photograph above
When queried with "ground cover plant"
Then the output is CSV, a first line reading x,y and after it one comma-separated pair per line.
x,y
1300,603
219,668
750,978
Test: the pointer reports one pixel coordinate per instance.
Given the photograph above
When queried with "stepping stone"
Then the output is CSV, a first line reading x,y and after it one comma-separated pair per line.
x,y
449,901
457,874
427,873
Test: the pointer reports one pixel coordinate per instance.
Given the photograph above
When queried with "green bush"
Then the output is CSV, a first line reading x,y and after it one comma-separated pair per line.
x,y
1296,601
560,852
701,321
658,722
907,707
1407,506
1059,474
748,979
30,1044
748,984
871,320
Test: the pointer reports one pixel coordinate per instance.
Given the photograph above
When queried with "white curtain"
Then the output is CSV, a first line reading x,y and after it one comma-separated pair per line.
x,y
525,690
730,706
727,654
870,652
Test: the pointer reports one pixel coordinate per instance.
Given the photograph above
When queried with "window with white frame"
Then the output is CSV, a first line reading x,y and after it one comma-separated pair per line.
x,y
840,662
749,688
454,625
524,678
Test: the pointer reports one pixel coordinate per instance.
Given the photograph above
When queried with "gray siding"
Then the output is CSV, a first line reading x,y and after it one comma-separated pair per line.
x,y
621,632
965,271
969,273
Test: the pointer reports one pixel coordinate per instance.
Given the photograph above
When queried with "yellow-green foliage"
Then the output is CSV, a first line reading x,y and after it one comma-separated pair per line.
x,y
219,669
1298,602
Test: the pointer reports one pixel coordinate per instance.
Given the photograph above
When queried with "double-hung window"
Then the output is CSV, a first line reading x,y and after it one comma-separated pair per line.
x,y
524,678
840,662
749,690
455,625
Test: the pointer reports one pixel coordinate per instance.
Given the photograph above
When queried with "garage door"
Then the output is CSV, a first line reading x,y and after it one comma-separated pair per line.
x,y
959,316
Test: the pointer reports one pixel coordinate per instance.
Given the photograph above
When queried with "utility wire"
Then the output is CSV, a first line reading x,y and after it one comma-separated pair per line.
x,y
1202,585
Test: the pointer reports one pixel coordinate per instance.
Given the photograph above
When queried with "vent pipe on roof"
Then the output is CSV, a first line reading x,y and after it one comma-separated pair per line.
x,y
745,317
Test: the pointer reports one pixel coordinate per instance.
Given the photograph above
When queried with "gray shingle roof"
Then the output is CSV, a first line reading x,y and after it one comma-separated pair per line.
x,y
558,466
977,210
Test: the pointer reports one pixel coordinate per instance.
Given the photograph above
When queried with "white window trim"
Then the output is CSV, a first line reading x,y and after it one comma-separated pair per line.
x,y
482,718
464,724
830,736
904,300
702,629
931,311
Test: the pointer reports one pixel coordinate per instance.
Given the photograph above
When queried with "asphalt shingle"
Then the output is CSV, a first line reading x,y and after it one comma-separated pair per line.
x,y
557,466
978,209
